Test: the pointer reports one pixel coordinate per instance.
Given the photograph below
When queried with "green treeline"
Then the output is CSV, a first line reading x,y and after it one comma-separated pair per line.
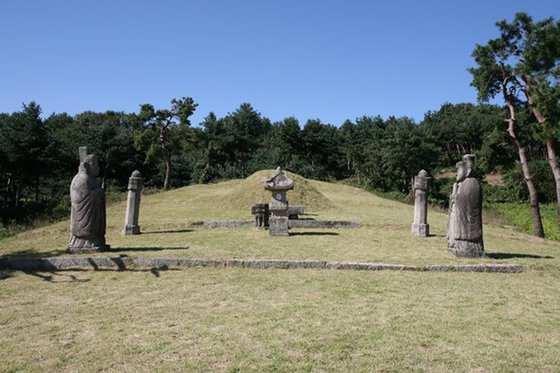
x,y
39,156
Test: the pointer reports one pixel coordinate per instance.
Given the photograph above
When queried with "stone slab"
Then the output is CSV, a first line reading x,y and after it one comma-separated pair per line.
x,y
323,224
223,224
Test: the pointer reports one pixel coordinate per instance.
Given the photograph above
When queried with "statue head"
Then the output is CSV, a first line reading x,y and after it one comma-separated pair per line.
x,y
461,171
465,168
90,165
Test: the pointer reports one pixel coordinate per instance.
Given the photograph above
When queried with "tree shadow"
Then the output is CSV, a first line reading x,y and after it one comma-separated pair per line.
x,y
5,270
168,231
50,273
314,234
31,254
5,274
515,255
143,249
55,276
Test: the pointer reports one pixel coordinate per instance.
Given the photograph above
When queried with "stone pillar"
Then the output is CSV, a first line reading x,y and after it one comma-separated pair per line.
x,y
133,204
278,208
420,226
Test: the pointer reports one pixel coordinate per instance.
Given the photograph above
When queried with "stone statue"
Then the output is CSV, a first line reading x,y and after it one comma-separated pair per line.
x,y
87,217
464,225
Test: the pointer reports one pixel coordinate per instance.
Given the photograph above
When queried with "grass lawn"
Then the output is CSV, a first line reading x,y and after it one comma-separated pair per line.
x,y
234,319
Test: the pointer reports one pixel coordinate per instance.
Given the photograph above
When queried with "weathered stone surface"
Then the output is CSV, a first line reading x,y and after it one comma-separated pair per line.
x,y
329,224
222,224
294,211
420,226
87,216
279,182
260,210
320,224
131,263
133,204
278,225
464,226
262,215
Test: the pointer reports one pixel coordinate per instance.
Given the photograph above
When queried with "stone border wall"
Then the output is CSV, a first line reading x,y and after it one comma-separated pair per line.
x,y
130,263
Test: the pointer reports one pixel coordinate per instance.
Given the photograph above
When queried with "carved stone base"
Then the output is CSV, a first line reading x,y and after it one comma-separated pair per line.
x,y
421,230
466,249
94,249
131,229
87,244
278,226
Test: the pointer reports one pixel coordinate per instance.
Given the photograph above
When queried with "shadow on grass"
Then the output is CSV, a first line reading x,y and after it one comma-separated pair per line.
x,y
169,231
51,273
143,249
6,273
515,255
55,276
31,254
314,234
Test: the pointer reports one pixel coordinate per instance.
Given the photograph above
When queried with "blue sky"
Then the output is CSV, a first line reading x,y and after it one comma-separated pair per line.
x,y
332,60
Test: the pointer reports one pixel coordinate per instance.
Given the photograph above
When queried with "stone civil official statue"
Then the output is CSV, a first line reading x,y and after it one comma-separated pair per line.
x,y
87,217
464,226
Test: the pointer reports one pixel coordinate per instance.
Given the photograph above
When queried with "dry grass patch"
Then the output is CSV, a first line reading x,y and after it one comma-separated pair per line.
x,y
261,320
233,319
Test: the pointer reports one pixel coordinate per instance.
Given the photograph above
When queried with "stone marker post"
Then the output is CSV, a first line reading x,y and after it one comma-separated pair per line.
x,y
279,184
420,226
133,204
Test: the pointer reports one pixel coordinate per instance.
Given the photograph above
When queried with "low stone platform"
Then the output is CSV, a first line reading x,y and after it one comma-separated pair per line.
x,y
222,224
292,223
330,224
137,263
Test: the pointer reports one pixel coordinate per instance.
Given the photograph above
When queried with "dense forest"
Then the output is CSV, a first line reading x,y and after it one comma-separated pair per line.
x,y
39,157
517,141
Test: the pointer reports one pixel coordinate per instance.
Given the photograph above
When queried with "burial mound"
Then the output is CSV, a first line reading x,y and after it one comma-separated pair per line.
x,y
251,190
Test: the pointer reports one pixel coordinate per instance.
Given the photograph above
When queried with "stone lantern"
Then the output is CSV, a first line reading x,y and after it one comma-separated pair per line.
x,y
279,184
